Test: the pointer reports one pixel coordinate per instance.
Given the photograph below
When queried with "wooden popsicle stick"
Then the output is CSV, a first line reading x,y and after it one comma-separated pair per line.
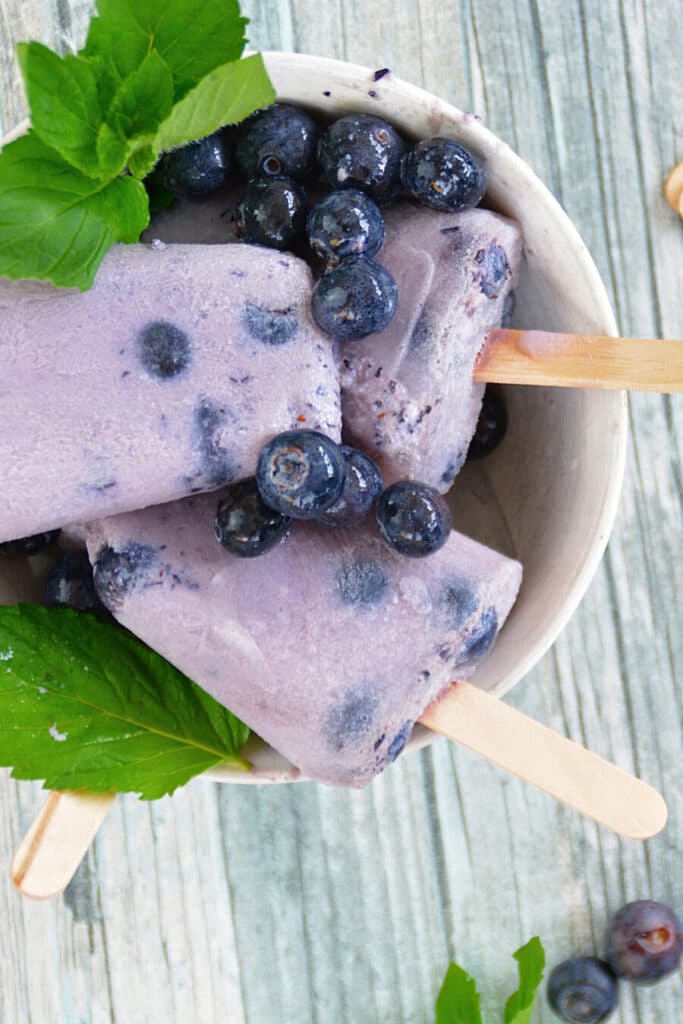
x,y
673,189
580,361
57,841
547,760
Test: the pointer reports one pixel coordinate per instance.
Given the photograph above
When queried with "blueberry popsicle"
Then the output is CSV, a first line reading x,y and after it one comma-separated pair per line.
x,y
329,646
166,379
408,395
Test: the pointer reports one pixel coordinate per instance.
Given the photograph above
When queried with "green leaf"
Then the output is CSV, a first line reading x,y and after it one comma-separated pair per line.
x,y
65,103
112,150
85,705
193,36
143,100
225,96
458,1001
142,162
531,961
160,198
56,223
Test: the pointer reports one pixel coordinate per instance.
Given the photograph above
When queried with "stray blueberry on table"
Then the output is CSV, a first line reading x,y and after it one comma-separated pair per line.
x,y
163,349
364,152
345,223
282,139
362,488
70,584
197,170
582,990
644,942
413,518
357,298
491,426
443,174
272,212
29,545
301,473
245,525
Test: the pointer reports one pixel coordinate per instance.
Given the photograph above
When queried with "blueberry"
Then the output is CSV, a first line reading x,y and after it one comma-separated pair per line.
x,y
163,349
345,224
362,488
399,741
283,139
271,326
29,545
364,152
443,174
301,473
644,942
355,299
272,212
413,519
508,309
246,526
361,584
492,270
117,573
459,603
351,718
212,423
197,170
491,425
582,990
70,584
480,640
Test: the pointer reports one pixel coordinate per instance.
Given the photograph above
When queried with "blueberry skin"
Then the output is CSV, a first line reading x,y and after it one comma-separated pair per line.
x,y
582,990
343,224
357,298
413,518
197,170
364,152
282,139
163,349
480,640
244,525
300,473
443,174
644,942
70,584
29,545
118,572
361,584
491,426
272,212
362,488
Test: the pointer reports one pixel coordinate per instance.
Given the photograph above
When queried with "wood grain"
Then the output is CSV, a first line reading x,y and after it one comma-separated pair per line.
x,y
294,904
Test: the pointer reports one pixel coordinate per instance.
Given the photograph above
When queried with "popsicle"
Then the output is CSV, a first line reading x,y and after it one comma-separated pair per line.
x,y
408,395
163,380
330,646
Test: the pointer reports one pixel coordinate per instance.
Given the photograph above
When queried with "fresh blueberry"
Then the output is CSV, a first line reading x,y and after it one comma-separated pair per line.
x,y
117,573
344,224
301,473
70,584
197,170
163,349
644,942
480,639
361,584
271,326
491,425
272,212
355,299
246,526
362,488
364,152
351,718
582,990
413,519
29,545
443,174
283,139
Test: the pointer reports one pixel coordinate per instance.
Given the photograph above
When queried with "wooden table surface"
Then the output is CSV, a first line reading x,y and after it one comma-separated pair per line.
x,y
285,905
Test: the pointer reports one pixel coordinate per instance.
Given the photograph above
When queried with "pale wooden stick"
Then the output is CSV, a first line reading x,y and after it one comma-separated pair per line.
x,y
673,188
57,841
543,758
580,361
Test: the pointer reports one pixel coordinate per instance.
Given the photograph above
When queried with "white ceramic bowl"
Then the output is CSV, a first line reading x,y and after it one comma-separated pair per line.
x,y
549,494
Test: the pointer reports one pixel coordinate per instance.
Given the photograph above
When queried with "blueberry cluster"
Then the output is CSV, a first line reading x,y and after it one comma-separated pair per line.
x,y
644,944
302,474
280,153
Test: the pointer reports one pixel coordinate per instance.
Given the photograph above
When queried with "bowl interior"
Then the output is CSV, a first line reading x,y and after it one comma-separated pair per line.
x,y
548,496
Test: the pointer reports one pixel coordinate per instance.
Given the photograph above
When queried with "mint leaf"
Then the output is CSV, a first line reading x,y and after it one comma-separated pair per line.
x,y
225,96
144,99
65,103
193,37
531,961
458,1001
85,705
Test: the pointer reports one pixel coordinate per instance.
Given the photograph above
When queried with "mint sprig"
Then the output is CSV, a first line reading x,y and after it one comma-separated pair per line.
x,y
459,1001
85,705
153,75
